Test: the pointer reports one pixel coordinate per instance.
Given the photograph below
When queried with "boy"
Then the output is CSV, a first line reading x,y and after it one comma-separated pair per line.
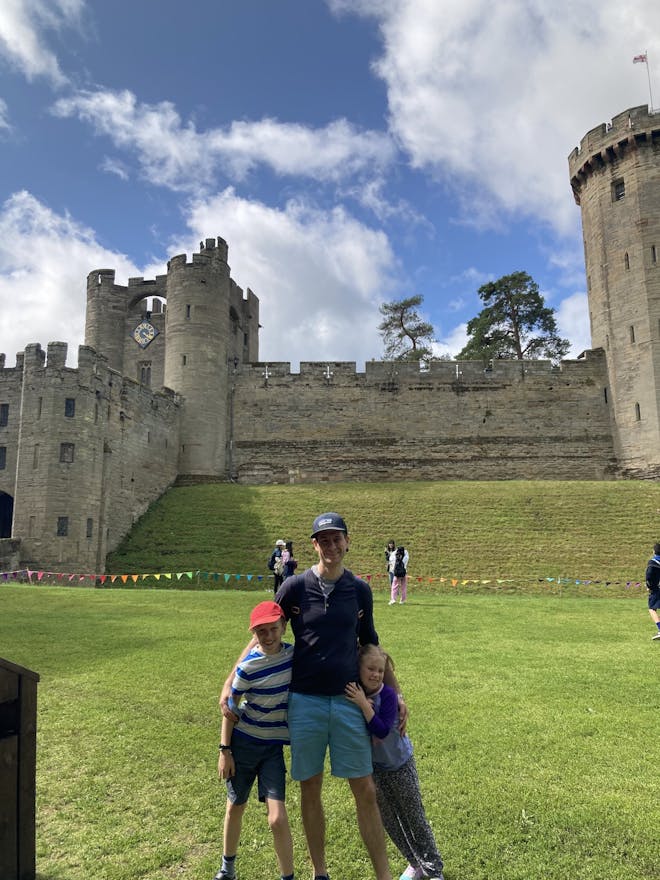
x,y
653,586
252,747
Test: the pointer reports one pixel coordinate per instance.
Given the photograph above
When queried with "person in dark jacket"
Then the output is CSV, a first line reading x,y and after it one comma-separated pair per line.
x,y
653,586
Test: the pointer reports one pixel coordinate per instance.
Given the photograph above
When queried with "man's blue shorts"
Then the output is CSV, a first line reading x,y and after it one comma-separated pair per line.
x,y
317,723
654,599
255,759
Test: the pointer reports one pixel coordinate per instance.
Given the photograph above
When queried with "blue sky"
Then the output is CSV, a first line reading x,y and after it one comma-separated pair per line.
x,y
350,151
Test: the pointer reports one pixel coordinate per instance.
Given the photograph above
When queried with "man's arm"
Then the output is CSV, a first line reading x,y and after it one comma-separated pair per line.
x,y
226,688
391,681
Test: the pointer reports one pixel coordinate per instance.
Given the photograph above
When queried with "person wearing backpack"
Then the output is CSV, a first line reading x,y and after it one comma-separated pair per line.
x,y
653,586
400,579
276,564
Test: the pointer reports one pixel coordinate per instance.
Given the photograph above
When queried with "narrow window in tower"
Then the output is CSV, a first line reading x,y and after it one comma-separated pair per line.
x,y
70,407
66,452
654,254
3,457
35,457
184,359
626,260
145,373
39,405
62,526
632,332
4,414
90,527
148,436
638,413
605,394
96,413
618,190
187,313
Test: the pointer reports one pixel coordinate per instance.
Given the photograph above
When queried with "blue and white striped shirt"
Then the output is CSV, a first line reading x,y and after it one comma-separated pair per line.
x,y
262,684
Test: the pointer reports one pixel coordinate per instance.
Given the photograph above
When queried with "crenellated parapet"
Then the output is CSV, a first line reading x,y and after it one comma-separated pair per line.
x,y
322,373
609,142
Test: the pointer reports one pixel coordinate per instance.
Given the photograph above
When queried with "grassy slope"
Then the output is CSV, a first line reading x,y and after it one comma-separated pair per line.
x,y
532,721
523,530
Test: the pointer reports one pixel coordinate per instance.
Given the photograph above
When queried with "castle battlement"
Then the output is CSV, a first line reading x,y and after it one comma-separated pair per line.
x,y
607,143
326,373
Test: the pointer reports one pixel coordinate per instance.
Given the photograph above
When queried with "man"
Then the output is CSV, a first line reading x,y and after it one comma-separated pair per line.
x,y
330,611
653,586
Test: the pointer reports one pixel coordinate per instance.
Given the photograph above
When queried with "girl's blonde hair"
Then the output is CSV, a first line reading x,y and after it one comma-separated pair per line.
x,y
368,650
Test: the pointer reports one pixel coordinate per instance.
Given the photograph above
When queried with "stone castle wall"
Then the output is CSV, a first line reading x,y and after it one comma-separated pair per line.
x,y
87,452
395,422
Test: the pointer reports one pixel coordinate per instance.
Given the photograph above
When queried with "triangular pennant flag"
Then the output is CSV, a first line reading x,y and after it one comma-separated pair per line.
x,y
227,576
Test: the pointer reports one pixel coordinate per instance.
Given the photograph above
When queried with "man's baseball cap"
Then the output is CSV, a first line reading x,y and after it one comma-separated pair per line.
x,y
280,543
265,612
327,521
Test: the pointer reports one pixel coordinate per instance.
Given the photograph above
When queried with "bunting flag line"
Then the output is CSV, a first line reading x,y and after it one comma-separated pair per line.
x,y
37,576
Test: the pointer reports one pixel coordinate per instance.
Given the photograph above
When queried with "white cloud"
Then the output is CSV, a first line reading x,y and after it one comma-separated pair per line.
x,y
572,316
319,275
174,154
44,262
491,97
22,27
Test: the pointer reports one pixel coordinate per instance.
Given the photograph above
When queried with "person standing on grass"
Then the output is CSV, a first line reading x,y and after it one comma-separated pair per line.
x,y
331,611
276,564
251,748
395,773
389,560
653,586
400,579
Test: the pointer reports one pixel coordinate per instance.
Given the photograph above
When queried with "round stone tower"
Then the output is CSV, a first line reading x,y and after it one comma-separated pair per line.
x,y
615,176
105,316
196,357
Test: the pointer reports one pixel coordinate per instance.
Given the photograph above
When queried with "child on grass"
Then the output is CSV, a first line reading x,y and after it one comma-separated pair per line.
x,y
395,774
251,748
653,586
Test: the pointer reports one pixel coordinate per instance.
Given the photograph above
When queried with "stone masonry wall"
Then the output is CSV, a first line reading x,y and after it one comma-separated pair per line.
x,y
395,422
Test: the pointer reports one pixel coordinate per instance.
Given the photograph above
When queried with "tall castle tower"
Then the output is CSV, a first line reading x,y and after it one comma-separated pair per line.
x,y
615,176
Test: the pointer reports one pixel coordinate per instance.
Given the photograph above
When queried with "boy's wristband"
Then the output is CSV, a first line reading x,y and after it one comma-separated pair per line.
x,y
224,748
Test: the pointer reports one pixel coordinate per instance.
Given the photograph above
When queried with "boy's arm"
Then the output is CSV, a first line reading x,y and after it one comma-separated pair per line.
x,y
226,765
226,688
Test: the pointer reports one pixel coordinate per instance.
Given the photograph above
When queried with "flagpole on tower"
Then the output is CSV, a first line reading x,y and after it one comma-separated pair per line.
x,y
644,59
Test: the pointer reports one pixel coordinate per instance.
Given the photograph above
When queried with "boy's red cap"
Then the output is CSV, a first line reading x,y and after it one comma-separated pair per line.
x,y
265,612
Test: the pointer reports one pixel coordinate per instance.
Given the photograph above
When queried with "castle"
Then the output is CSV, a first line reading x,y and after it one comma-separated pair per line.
x,y
169,387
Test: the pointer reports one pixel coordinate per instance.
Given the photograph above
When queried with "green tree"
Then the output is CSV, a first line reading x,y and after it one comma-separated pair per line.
x,y
406,337
515,323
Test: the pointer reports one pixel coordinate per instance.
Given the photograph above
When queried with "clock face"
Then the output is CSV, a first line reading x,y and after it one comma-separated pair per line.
x,y
144,333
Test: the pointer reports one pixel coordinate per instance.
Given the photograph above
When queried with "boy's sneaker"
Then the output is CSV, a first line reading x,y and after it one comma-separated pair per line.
x,y
412,873
656,636
223,875
393,602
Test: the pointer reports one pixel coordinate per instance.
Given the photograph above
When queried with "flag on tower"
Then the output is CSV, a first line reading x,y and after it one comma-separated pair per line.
x,y
640,59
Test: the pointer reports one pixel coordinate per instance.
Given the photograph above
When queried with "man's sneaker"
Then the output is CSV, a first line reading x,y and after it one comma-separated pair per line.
x,y
412,873
653,638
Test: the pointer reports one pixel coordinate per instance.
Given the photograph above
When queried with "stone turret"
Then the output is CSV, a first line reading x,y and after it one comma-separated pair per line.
x,y
196,359
615,176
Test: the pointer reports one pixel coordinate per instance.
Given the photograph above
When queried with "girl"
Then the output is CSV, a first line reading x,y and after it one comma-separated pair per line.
x,y
395,774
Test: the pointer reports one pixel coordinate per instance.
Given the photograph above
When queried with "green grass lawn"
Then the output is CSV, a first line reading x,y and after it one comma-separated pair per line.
x,y
519,533
534,720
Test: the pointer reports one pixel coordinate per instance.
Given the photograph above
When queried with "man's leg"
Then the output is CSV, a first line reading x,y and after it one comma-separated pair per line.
x,y
370,824
311,807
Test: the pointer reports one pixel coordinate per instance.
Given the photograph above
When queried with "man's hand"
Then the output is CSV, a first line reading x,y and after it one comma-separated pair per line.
x,y
403,715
